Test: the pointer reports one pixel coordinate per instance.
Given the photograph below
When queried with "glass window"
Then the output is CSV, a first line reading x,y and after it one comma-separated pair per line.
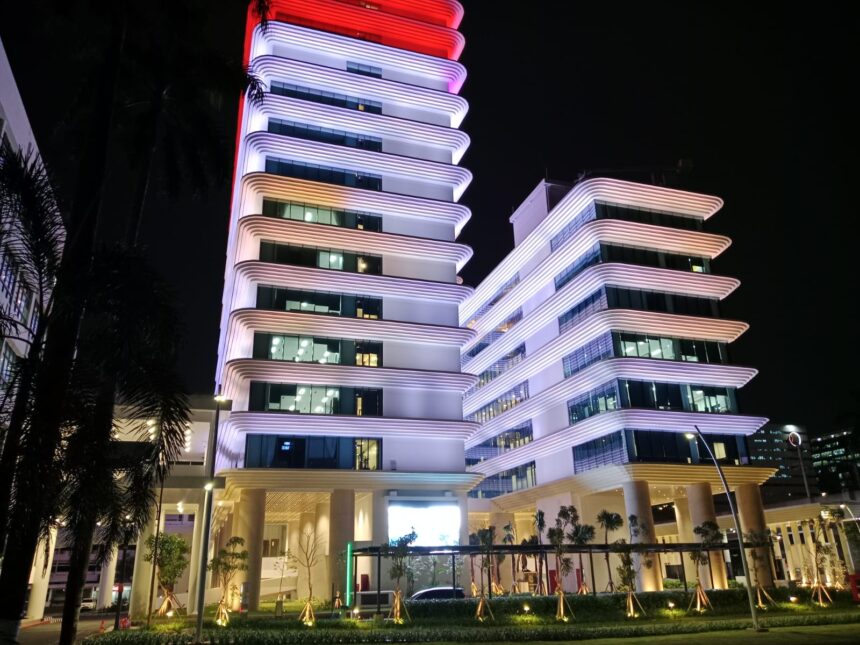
x,y
368,354
368,454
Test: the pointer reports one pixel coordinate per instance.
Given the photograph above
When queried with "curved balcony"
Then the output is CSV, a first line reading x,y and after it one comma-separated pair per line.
x,y
254,228
454,142
454,178
274,68
608,422
617,275
440,73
580,196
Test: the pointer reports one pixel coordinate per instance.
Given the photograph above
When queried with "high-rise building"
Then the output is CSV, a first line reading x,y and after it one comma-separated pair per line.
x,y
340,342
784,446
599,346
836,460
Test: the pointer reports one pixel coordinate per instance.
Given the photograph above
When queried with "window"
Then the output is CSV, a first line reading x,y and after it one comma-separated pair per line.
x,y
590,258
291,451
597,401
507,481
315,214
325,135
603,451
498,368
719,450
501,443
619,298
505,402
501,293
8,359
314,399
646,216
326,98
299,349
364,70
332,259
328,174
596,350
492,337
595,302
368,354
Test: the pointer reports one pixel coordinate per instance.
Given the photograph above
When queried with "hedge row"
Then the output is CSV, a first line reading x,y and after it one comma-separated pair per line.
x,y
483,633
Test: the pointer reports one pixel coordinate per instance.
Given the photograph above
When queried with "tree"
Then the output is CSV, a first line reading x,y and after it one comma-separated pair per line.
x,y
628,568
709,537
557,535
581,534
170,562
609,521
540,526
307,557
398,550
225,565
510,538
128,339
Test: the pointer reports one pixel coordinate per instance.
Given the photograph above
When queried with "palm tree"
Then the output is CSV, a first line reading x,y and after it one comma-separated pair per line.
x,y
510,538
129,339
31,233
609,521
580,535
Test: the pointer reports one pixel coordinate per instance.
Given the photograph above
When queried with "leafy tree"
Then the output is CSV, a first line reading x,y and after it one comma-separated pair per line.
x,y
540,526
710,536
398,550
609,521
169,555
581,534
510,538
225,565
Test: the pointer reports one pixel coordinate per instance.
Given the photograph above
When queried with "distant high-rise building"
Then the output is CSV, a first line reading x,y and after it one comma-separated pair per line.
x,y
836,460
773,445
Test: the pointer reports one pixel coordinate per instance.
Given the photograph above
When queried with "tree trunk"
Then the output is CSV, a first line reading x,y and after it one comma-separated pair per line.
x,y
79,564
36,471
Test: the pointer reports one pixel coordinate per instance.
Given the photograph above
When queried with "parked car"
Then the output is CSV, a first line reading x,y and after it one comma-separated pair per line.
x,y
88,603
439,593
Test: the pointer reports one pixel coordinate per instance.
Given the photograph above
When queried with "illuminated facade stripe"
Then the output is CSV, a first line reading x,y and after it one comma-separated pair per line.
x,y
580,196
244,322
257,185
618,275
608,422
448,141
442,107
254,228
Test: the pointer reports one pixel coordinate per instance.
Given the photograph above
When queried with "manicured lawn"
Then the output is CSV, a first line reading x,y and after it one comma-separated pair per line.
x,y
830,634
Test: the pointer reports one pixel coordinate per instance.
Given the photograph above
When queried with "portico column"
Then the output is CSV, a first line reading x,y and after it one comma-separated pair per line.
x,y
142,572
380,537
106,578
195,575
322,570
637,501
41,577
249,518
464,580
751,511
701,502
499,520
341,532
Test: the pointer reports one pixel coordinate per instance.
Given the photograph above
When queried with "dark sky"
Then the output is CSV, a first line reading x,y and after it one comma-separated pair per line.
x,y
757,97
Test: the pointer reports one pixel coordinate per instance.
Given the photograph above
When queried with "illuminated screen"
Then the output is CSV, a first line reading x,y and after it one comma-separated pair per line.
x,y
435,523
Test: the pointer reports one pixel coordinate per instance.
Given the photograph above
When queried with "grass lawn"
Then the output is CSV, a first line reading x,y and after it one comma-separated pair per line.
x,y
830,634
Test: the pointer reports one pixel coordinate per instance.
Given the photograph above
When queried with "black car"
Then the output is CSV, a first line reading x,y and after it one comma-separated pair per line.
x,y
439,593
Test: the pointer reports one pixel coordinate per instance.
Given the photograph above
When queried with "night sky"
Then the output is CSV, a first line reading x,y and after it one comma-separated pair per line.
x,y
755,97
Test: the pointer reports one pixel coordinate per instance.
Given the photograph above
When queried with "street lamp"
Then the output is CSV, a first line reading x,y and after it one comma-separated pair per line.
x,y
753,613
794,439
207,514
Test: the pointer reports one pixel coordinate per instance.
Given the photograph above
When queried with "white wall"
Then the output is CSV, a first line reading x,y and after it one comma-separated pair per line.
x,y
420,356
419,268
419,228
421,455
406,186
555,466
530,213
422,404
420,311
417,150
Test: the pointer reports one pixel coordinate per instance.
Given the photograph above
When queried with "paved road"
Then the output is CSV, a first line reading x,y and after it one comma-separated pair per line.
x,y
48,633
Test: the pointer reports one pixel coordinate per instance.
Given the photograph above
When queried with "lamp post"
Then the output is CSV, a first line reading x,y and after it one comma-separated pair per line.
x,y
753,612
794,439
211,446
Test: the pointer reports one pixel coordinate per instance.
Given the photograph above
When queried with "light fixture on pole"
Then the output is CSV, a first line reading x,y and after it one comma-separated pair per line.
x,y
207,515
750,597
795,440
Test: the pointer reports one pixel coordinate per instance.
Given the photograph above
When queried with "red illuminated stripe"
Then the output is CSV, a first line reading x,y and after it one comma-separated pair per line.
x,y
445,13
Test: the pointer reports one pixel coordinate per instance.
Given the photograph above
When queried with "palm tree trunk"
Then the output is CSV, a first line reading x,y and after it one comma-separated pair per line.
x,y
79,564
144,178
37,466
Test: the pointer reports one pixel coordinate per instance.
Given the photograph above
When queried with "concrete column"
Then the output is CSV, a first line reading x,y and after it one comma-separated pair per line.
x,y
106,578
464,580
701,503
379,522
194,574
322,572
249,519
41,577
637,501
751,513
142,573
341,532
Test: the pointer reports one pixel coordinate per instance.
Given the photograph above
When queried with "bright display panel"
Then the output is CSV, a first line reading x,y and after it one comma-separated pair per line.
x,y
435,523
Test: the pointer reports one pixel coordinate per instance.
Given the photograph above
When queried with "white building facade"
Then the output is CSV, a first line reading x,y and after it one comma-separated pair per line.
x,y
340,342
